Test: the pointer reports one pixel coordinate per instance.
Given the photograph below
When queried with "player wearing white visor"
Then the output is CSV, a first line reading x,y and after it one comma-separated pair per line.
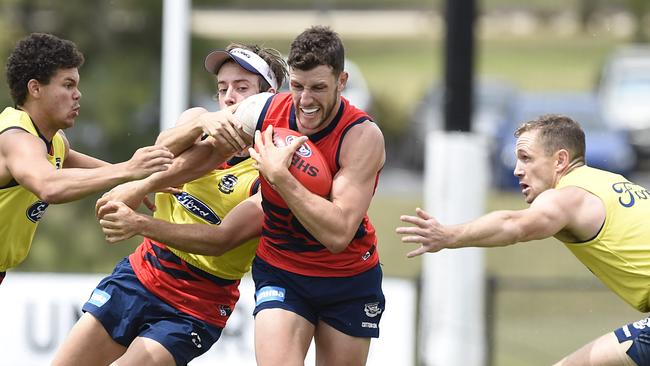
x,y
247,59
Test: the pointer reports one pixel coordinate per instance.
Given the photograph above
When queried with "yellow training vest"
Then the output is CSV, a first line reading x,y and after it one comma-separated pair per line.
x,y
207,200
20,209
620,254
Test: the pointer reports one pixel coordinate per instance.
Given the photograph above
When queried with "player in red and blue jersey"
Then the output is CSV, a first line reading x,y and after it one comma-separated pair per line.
x,y
37,165
317,273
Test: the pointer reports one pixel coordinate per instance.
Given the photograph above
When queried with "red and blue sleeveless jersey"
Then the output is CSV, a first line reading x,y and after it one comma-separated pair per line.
x,y
285,243
184,286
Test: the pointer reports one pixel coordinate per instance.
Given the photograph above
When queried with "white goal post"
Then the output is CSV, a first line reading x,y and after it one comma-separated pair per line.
x,y
452,316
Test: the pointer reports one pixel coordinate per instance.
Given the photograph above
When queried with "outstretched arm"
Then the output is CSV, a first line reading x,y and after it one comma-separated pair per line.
x,y
191,164
198,156
570,213
25,158
552,211
244,222
194,157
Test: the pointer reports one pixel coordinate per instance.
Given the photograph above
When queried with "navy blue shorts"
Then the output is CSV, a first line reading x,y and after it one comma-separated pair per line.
x,y
353,305
639,334
128,310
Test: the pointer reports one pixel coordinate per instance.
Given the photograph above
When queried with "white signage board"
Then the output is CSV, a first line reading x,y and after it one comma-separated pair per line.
x,y
37,311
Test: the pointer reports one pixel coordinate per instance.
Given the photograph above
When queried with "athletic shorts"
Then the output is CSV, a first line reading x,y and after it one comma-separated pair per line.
x,y
353,305
639,334
128,310
2,276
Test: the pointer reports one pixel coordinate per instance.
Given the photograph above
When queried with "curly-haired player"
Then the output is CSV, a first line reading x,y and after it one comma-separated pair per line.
x,y
43,77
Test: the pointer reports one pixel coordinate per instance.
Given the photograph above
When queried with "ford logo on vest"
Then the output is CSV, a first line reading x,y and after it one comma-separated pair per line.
x,y
197,208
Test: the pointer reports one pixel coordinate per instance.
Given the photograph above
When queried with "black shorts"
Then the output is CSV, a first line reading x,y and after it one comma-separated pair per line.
x,y
352,305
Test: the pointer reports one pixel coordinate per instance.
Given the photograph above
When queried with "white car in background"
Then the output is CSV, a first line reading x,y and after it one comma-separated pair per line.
x,y
624,94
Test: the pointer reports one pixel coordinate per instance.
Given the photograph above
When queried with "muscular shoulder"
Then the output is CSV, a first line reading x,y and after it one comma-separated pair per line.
x,y
363,145
582,212
17,145
13,137
561,198
363,136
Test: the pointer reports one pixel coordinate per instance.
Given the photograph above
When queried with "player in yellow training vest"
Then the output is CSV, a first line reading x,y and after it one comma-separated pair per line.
x,y
600,216
37,165
163,306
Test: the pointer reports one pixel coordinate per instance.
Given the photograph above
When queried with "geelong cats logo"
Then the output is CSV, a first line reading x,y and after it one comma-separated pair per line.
x,y
227,184
197,208
36,211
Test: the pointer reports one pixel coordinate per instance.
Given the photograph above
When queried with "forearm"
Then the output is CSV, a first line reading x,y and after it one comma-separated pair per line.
x,y
188,166
65,185
192,238
321,218
241,224
498,228
180,138
76,159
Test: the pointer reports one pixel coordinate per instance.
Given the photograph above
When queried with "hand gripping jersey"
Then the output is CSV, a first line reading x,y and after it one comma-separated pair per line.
x,y
190,282
285,243
20,209
618,255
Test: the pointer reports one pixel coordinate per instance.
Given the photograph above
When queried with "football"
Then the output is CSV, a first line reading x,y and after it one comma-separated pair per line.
x,y
308,165
249,110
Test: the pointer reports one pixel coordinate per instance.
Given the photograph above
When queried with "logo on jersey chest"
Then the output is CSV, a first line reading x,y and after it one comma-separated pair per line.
x,y
304,150
197,208
227,183
36,211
